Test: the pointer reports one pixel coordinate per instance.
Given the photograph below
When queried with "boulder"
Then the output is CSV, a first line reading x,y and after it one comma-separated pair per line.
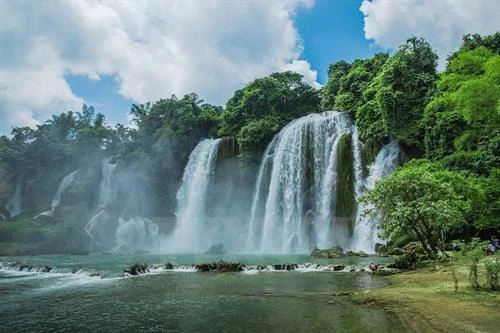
x,y
220,267
338,267
380,249
285,267
169,266
333,252
356,254
137,269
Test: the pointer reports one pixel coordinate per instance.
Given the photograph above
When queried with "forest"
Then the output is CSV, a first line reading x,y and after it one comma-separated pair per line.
x,y
447,124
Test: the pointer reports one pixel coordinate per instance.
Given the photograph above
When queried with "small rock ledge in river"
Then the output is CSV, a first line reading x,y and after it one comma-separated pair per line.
x,y
333,252
336,252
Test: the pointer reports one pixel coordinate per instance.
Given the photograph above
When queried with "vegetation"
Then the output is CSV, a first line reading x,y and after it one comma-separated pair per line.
x,y
454,192
425,300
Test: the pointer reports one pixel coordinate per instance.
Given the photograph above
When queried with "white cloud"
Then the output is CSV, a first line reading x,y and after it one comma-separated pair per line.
x,y
441,22
153,48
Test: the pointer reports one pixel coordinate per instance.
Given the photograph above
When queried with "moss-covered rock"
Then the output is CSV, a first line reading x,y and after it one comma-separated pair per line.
x,y
285,267
137,269
333,252
345,206
380,249
220,267
368,154
356,254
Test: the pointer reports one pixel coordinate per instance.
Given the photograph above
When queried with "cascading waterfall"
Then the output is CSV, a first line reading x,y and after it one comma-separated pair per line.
x,y
294,189
67,180
106,196
13,206
136,233
191,232
365,233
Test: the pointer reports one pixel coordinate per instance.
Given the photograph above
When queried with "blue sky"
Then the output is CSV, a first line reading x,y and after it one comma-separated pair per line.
x,y
56,55
333,31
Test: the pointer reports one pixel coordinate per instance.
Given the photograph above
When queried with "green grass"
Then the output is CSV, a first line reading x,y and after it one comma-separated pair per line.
x,y
425,300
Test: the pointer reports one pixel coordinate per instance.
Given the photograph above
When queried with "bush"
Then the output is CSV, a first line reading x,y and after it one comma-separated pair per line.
x,y
492,272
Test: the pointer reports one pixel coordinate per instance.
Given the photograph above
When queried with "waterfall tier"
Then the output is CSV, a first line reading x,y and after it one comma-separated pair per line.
x,y
191,229
365,234
13,206
67,180
106,198
308,185
293,208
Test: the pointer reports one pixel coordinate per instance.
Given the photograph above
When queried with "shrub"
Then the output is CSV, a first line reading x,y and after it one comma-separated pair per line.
x,y
492,272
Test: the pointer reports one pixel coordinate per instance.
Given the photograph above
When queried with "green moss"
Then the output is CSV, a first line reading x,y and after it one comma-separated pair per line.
x,y
228,148
368,154
344,192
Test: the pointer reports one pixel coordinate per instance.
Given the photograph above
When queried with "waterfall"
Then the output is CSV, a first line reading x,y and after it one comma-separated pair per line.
x,y
190,233
106,196
365,233
137,233
67,180
13,206
293,207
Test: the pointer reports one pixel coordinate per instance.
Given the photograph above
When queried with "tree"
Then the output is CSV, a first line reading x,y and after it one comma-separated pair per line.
x,y
421,199
277,99
401,90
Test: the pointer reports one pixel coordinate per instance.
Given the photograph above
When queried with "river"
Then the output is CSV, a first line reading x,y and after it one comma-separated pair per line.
x,y
185,301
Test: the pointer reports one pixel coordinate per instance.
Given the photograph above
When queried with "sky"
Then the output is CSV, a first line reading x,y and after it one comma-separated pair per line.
x,y
56,55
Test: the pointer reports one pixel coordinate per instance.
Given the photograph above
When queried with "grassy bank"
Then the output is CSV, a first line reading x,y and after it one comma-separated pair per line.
x,y
425,300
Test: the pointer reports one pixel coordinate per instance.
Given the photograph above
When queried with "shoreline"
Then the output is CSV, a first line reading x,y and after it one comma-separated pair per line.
x,y
424,300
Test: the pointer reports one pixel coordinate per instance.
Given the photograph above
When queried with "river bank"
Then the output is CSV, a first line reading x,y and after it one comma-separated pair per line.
x,y
425,301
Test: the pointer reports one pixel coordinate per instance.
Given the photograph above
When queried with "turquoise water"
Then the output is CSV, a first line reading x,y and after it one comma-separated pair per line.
x,y
185,301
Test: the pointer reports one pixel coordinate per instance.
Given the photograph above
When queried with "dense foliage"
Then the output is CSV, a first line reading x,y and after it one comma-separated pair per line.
x,y
258,111
460,122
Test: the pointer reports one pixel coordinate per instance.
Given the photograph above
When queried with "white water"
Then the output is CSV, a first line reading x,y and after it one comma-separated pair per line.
x,y
13,206
303,154
192,234
365,232
67,180
106,196
137,233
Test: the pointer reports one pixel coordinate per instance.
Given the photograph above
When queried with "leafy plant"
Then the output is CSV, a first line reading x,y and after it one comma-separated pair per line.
x,y
492,273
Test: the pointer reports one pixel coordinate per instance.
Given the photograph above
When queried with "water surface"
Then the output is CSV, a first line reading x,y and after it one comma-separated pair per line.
x,y
185,301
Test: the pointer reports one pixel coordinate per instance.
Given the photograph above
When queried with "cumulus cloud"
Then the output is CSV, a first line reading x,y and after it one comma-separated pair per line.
x,y
152,48
441,22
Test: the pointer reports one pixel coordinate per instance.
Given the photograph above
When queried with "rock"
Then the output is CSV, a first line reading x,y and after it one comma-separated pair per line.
x,y
338,267
215,249
380,249
203,268
220,267
137,269
169,266
356,254
333,252
224,266
285,267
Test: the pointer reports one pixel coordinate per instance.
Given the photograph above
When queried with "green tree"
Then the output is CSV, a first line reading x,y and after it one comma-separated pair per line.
x,y
269,102
400,92
421,199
